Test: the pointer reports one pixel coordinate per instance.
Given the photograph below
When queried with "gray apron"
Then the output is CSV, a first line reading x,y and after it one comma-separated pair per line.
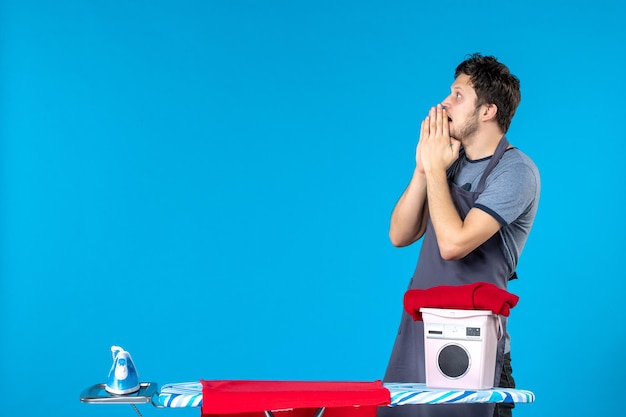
x,y
487,264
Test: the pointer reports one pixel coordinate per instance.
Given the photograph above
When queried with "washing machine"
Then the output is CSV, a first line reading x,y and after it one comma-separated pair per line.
x,y
461,347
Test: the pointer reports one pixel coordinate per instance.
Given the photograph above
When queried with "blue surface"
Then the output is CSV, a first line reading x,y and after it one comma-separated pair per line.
x,y
228,168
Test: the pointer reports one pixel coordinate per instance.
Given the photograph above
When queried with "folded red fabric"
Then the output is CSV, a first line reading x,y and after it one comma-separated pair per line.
x,y
230,397
476,296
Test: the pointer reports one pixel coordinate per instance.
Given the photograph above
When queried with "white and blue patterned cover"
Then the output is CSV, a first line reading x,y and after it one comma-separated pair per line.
x,y
402,394
181,395
189,394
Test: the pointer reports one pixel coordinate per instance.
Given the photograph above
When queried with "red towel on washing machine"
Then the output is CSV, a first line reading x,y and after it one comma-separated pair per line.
x,y
293,398
476,296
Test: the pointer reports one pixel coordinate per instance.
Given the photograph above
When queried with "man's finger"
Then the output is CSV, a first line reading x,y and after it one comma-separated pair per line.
x,y
439,120
433,120
425,127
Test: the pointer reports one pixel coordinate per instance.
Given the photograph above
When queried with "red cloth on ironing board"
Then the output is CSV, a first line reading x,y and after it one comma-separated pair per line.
x,y
476,296
293,398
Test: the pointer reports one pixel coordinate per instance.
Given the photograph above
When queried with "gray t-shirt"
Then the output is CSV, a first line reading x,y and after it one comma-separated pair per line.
x,y
511,196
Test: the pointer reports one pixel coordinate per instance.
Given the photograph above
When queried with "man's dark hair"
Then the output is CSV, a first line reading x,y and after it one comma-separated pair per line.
x,y
494,84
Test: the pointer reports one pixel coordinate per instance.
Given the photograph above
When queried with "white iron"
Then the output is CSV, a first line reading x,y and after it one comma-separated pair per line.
x,y
123,378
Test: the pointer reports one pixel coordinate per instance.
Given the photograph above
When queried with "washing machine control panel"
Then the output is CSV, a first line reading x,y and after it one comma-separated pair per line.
x,y
453,331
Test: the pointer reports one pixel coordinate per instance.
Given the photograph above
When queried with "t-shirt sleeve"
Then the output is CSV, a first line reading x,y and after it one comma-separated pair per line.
x,y
508,193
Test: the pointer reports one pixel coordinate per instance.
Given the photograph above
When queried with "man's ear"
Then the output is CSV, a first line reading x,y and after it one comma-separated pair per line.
x,y
489,112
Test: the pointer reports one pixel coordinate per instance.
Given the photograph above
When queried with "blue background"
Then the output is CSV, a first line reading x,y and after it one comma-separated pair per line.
x,y
208,184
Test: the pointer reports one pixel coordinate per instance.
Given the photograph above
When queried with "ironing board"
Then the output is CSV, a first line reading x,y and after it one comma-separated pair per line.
x,y
189,395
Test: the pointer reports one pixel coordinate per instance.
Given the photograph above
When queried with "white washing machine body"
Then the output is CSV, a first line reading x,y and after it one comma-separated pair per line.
x,y
461,348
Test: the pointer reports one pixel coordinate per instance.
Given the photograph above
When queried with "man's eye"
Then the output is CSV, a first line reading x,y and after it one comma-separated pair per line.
x,y
457,95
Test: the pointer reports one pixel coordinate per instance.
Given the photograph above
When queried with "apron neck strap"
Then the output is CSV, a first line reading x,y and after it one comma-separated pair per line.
x,y
497,155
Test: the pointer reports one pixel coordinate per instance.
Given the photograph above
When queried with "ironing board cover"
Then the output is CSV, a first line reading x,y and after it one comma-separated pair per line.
x,y
180,395
239,396
189,394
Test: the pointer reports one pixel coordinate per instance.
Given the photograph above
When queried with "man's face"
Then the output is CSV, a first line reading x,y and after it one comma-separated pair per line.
x,y
461,108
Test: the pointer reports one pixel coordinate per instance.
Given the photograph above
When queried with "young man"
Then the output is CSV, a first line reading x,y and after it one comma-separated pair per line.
x,y
473,197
